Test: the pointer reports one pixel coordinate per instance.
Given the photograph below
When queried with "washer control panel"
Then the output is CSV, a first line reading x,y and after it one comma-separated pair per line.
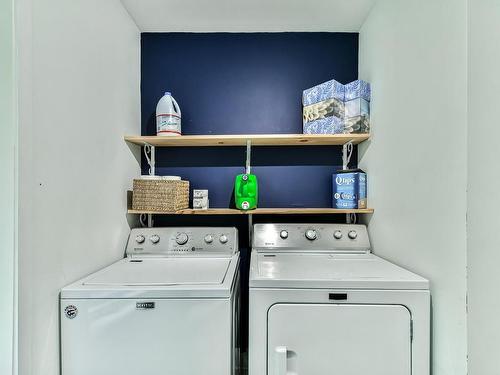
x,y
186,241
320,237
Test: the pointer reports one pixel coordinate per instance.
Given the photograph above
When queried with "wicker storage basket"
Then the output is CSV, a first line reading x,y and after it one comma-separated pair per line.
x,y
160,195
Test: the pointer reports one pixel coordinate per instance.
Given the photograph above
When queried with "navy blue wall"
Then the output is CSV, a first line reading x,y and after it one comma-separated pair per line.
x,y
246,83
241,84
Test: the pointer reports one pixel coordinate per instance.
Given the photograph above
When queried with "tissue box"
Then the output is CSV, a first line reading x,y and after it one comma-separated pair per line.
x,y
329,125
357,107
333,108
357,116
357,89
323,111
349,189
327,90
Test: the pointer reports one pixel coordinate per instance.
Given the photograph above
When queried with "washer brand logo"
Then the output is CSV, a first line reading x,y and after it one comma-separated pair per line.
x,y
144,305
70,311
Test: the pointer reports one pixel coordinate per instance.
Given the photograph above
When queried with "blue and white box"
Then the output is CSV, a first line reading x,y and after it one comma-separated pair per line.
x,y
326,90
357,89
333,108
349,189
357,107
328,125
323,111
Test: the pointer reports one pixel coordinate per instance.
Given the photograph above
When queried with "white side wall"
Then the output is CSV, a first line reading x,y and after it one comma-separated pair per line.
x,y
80,94
414,54
8,186
483,223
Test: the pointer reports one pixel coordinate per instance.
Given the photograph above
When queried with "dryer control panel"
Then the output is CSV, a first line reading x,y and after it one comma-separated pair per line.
x,y
318,237
183,241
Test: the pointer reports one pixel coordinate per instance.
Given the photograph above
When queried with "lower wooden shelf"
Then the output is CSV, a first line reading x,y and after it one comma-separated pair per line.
x,y
260,211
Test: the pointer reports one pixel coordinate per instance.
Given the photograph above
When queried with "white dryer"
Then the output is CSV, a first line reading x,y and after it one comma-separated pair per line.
x,y
170,307
321,303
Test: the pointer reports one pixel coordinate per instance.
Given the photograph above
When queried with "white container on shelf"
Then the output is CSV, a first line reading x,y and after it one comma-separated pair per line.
x,y
168,116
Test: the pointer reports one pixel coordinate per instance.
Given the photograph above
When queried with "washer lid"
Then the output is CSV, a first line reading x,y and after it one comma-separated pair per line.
x,y
319,270
162,271
163,277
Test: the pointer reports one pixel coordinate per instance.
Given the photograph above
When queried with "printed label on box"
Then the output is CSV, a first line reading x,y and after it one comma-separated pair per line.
x,y
349,190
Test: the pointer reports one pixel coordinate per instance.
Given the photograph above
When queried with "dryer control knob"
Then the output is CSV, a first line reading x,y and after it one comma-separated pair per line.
x,y
154,238
284,234
337,234
311,234
352,234
140,238
223,238
181,239
209,238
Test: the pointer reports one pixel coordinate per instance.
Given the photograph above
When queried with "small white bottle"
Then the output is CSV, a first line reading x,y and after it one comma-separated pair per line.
x,y
168,116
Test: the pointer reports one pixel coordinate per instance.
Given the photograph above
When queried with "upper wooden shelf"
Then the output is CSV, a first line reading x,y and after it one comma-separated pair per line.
x,y
260,211
256,140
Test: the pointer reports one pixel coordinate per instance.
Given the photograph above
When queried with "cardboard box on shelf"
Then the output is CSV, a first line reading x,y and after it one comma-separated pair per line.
x,y
200,203
197,193
334,108
349,189
357,107
323,110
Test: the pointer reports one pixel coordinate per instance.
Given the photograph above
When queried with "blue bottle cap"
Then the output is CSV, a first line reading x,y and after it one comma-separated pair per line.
x,y
168,93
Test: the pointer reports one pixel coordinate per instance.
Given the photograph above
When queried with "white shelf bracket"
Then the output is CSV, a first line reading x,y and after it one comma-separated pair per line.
x,y
347,149
150,153
249,157
250,230
248,168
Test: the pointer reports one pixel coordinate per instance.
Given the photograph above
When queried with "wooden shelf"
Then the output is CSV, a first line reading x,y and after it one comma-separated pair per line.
x,y
261,211
256,140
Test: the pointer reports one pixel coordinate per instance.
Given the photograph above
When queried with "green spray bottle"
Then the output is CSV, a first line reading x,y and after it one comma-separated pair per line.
x,y
246,191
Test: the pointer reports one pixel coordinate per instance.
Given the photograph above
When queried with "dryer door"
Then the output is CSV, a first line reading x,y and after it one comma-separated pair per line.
x,y
339,339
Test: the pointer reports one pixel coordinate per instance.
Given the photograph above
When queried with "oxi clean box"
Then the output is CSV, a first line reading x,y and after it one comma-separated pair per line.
x,y
349,189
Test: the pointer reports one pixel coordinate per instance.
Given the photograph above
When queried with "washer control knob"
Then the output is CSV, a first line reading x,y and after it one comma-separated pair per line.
x,y
352,234
284,234
181,239
337,234
209,238
140,238
223,238
311,234
154,238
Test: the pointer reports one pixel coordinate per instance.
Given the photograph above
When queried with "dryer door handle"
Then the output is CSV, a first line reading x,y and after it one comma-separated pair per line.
x,y
280,360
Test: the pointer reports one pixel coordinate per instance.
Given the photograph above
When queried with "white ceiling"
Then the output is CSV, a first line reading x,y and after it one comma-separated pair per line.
x,y
249,15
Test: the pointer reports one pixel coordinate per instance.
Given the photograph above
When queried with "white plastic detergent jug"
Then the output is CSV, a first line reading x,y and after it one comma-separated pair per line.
x,y
168,116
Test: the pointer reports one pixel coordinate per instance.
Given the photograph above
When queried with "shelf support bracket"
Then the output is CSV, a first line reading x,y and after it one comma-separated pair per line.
x,y
250,230
248,168
347,149
150,153
249,157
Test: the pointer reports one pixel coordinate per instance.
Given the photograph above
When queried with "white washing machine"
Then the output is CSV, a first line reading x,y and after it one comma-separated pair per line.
x,y
170,307
321,303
